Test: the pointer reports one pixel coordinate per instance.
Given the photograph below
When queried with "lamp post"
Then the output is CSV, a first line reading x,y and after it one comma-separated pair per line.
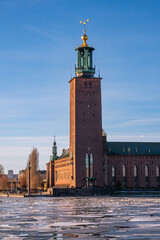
x,y
11,184
16,185
29,168
129,151
71,162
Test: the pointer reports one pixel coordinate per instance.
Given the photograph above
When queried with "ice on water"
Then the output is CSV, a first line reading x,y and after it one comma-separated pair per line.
x,y
80,218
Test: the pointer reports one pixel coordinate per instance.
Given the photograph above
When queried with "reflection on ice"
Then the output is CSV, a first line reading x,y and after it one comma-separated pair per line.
x,y
80,218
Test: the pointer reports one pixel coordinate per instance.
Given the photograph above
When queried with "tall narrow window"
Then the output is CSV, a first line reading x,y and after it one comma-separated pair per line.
x,y
89,63
91,165
147,175
124,175
81,61
157,176
87,165
124,171
146,171
135,171
113,171
113,176
135,176
157,171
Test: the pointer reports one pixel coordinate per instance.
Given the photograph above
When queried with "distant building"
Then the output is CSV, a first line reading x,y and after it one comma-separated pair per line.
x,y
92,161
10,173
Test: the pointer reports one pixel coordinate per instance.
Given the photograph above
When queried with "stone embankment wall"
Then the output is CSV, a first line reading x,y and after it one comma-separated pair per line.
x,y
11,195
57,192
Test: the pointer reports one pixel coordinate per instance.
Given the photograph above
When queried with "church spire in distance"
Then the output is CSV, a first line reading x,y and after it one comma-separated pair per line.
x,y
54,150
84,66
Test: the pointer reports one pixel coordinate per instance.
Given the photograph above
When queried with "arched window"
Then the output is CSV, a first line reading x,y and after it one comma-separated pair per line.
x,y
124,176
146,171
113,175
157,171
113,171
135,171
124,171
135,176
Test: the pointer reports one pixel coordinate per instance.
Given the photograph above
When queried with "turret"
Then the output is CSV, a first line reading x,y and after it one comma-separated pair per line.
x,y
54,151
84,66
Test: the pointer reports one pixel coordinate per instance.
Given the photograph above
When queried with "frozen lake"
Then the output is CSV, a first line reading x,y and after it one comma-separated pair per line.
x,y
80,218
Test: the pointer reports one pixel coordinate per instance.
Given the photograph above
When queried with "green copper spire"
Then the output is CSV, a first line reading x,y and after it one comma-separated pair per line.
x,y
84,66
54,151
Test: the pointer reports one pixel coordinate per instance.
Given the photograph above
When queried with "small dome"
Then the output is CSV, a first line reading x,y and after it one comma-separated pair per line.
x,y
84,38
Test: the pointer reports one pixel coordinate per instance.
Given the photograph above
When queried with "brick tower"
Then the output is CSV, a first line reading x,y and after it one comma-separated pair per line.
x,y
86,148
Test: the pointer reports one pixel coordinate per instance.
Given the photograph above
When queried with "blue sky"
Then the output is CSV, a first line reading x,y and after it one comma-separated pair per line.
x,y
37,58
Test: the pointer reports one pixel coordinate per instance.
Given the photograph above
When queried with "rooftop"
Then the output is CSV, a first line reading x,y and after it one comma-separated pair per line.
x,y
133,148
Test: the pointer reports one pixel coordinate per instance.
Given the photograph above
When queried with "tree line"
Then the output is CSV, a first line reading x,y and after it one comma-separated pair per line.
x,y
35,177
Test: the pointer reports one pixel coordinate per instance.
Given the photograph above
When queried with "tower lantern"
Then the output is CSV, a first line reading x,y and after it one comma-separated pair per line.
x,y
84,66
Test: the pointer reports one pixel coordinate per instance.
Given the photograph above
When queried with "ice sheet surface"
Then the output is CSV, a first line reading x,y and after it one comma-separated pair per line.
x,y
80,218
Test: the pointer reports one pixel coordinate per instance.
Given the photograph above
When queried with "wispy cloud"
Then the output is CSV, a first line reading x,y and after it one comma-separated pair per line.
x,y
139,122
22,106
49,33
134,138
14,151
122,93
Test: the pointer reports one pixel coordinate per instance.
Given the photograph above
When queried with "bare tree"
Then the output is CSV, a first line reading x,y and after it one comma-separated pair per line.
x,y
3,179
4,182
34,173
22,180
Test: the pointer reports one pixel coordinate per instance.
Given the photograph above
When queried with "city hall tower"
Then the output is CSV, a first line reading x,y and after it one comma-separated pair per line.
x,y
86,147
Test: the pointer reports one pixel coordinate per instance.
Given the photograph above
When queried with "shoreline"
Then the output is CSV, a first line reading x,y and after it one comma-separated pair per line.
x,y
79,194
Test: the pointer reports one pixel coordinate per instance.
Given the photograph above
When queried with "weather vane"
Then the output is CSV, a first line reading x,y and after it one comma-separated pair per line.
x,y
84,23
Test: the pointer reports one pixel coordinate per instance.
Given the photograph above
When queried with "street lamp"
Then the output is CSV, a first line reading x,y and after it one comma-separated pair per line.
x,y
71,162
29,168
11,184
129,151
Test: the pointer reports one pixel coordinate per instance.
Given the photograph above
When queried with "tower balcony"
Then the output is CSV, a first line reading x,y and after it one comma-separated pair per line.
x,y
84,71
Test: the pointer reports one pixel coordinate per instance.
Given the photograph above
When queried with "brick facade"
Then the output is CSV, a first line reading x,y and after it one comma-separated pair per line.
x,y
86,128
132,180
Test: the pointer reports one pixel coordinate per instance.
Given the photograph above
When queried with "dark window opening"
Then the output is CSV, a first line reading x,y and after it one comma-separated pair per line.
x,y
124,182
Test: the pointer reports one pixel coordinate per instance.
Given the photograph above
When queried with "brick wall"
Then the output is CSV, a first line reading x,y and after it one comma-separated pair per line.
x,y
129,161
86,128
